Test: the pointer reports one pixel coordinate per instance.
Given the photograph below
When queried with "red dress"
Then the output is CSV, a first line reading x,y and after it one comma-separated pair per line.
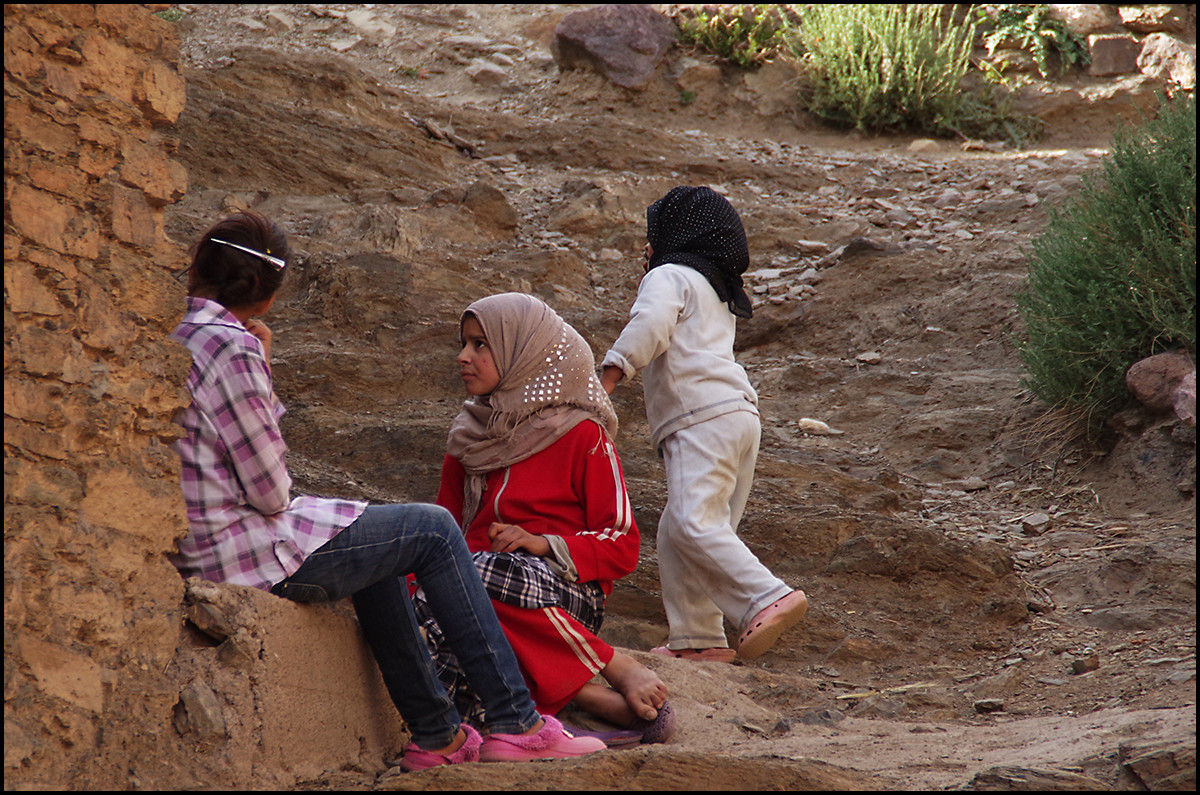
x,y
574,489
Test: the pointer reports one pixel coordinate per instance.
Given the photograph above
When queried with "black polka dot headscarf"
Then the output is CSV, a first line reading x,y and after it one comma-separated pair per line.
x,y
698,227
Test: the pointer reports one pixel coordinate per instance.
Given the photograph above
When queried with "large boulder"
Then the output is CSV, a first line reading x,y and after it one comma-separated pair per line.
x,y
1167,58
1156,380
625,42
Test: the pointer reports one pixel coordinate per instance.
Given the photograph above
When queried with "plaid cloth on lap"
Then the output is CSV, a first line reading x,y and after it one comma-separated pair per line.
x,y
524,580
515,578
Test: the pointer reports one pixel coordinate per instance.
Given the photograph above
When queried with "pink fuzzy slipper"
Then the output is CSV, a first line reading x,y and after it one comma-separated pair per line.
x,y
551,742
771,622
419,759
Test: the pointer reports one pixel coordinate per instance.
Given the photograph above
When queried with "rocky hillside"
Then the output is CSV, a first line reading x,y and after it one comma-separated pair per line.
x,y
988,610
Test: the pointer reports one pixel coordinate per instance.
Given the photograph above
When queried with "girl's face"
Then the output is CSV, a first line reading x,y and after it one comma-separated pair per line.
x,y
475,362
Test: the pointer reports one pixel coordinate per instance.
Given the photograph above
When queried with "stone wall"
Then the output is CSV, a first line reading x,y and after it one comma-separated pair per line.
x,y
1158,41
106,685
91,498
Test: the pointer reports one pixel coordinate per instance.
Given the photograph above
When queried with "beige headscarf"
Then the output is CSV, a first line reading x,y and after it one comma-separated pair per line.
x,y
548,385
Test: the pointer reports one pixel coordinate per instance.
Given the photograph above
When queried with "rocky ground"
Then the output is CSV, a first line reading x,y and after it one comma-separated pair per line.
x,y
990,609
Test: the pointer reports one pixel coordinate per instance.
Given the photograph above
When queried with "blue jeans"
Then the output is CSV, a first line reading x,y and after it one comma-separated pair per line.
x,y
367,562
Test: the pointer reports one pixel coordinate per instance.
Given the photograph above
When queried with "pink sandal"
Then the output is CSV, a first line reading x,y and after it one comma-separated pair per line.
x,y
715,654
770,623
551,742
416,758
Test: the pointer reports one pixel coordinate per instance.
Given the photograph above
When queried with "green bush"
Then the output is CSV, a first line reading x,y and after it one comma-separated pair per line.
x,y
874,67
885,67
744,35
171,14
1031,28
1112,279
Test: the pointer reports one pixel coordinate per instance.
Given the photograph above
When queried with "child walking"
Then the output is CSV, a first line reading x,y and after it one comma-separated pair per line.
x,y
703,415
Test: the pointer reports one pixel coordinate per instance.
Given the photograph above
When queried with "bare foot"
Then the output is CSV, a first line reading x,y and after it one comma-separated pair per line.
x,y
644,692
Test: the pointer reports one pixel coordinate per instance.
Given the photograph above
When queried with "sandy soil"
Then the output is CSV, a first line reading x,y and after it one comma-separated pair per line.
x,y
948,634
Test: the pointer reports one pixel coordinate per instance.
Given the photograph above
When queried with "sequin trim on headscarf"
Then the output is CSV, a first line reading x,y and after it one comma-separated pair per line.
x,y
548,385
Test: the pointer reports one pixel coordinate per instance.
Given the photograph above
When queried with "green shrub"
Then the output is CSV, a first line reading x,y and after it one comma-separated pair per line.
x,y
1112,279
1030,27
744,35
989,113
171,14
873,67
885,66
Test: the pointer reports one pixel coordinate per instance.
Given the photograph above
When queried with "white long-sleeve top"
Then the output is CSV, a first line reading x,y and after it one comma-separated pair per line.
x,y
680,336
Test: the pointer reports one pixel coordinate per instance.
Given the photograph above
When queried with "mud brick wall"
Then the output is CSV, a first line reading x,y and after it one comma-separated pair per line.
x,y
109,681
91,496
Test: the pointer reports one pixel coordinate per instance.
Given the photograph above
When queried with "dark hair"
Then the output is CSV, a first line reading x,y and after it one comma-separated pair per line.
x,y
234,277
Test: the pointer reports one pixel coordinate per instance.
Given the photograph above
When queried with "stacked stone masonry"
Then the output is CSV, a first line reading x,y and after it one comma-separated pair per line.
x,y
113,678
1156,40
91,488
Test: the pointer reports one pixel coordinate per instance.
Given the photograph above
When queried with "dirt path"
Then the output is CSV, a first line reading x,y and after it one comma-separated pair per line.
x,y
950,633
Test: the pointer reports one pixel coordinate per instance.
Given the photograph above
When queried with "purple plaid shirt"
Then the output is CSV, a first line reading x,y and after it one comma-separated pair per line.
x,y
242,526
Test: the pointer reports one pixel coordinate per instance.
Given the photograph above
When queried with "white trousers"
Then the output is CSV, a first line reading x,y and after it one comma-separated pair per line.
x,y
706,571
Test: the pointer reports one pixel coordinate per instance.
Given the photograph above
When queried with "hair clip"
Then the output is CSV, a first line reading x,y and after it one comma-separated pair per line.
x,y
274,262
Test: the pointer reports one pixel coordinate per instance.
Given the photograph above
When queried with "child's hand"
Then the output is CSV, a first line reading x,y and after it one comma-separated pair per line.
x,y
511,538
610,378
263,332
